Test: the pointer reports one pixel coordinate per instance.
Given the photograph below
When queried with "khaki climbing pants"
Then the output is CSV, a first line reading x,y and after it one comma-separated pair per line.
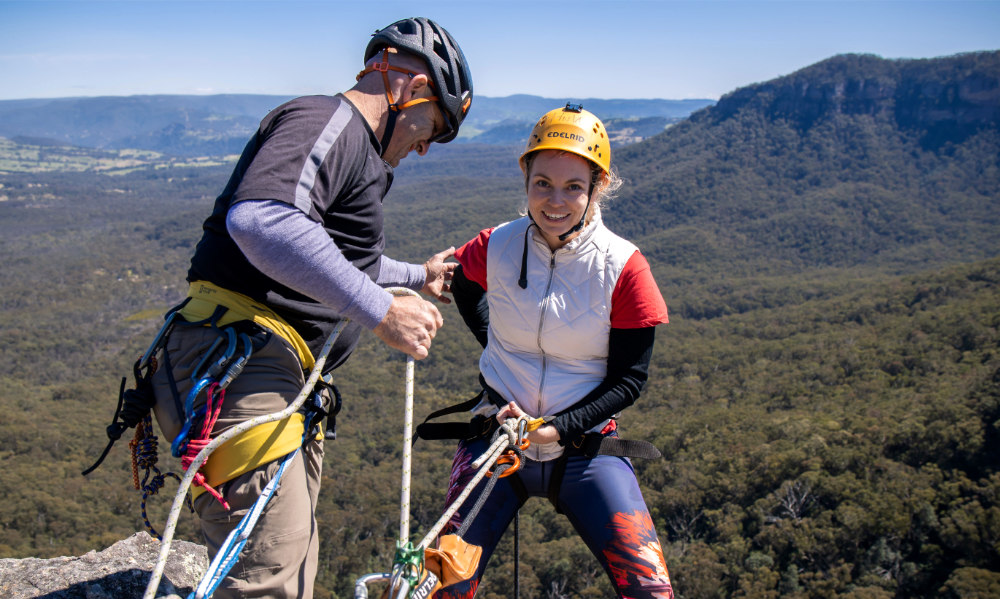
x,y
280,557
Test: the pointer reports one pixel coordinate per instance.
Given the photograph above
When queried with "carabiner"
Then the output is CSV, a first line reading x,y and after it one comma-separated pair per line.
x,y
179,444
507,458
168,325
236,366
217,368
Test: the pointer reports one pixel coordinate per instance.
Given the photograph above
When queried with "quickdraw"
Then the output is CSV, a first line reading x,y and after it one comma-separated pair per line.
x,y
135,404
133,410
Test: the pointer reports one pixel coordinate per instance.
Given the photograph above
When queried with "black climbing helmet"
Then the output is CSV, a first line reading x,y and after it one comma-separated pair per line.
x,y
449,70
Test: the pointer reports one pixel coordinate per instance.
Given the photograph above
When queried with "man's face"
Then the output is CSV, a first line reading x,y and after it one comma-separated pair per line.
x,y
416,126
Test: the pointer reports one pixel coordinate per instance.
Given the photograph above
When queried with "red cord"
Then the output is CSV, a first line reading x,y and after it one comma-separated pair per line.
x,y
194,446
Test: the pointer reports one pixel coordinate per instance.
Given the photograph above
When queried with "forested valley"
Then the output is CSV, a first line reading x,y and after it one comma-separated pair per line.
x,y
826,395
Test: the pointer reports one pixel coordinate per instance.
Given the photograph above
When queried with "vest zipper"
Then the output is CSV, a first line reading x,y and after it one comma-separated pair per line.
x,y
538,338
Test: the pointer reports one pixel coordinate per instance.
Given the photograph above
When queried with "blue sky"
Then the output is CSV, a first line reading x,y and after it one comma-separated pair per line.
x,y
573,48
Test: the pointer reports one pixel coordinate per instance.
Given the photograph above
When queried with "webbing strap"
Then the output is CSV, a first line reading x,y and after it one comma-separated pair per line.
x,y
394,108
436,431
384,67
592,445
479,426
628,448
205,298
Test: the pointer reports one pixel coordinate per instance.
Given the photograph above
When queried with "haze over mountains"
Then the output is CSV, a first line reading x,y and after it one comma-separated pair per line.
x,y
221,124
827,394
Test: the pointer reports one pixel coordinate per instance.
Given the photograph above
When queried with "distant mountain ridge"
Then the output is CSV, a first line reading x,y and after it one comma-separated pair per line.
x,y
855,159
221,124
946,99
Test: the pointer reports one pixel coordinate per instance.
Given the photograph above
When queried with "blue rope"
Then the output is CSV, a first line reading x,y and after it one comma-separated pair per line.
x,y
229,552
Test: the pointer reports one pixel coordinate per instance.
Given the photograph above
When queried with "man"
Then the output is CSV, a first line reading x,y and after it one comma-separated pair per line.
x,y
293,246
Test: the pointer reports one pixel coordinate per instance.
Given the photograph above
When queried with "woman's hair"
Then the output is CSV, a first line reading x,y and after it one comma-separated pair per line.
x,y
605,186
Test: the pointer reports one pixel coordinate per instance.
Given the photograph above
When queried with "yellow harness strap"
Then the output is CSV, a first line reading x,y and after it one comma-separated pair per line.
x,y
262,444
206,296
266,442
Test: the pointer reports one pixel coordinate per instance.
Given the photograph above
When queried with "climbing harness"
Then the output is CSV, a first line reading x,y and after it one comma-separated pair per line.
x,y
228,368
237,320
587,444
228,554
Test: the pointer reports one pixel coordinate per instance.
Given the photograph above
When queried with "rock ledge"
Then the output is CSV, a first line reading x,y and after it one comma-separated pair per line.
x,y
118,572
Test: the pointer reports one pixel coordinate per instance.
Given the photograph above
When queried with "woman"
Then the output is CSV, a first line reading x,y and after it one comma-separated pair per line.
x,y
566,312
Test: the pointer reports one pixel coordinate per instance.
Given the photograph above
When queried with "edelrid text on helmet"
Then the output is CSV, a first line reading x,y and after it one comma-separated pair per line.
x,y
447,67
563,134
571,129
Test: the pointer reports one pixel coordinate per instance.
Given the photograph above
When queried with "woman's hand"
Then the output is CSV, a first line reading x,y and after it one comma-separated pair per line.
x,y
543,434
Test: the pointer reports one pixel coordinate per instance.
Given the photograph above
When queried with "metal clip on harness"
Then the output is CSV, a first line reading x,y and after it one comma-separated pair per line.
x,y
221,372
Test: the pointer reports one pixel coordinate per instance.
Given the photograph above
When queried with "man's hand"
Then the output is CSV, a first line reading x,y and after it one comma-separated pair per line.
x,y
439,275
409,325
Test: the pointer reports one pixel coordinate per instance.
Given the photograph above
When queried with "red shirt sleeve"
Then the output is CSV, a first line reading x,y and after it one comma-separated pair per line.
x,y
636,301
472,257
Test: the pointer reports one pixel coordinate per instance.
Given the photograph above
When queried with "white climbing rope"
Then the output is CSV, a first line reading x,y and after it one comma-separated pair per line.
x,y
484,463
404,493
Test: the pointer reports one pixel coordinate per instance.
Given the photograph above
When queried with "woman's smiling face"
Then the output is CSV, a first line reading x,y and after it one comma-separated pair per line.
x,y
558,188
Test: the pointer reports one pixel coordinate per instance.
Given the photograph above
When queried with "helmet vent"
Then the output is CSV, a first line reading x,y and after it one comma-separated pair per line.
x,y
448,70
566,129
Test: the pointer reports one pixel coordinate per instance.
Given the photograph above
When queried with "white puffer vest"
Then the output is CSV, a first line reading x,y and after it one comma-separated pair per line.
x,y
548,343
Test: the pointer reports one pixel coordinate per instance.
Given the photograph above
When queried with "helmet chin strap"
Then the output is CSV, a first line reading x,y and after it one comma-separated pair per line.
x,y
578,225
394,107
522,280
583,217
390,125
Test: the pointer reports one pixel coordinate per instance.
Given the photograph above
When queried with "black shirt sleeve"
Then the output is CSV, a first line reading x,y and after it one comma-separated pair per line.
x,y
629,352
470,299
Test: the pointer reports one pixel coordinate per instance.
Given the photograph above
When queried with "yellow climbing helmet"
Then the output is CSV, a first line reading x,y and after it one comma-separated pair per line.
x,y
571,129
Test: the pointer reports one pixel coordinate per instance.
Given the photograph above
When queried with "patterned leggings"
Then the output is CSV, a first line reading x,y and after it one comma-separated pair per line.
x,y
602,500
